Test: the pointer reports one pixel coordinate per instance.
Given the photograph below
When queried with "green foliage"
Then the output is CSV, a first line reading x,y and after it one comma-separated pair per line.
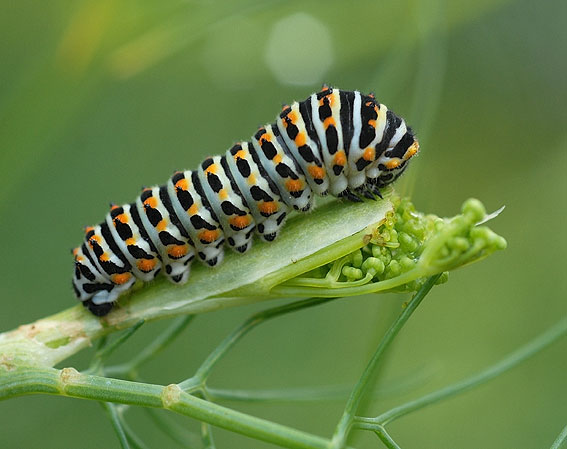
x,y
403,250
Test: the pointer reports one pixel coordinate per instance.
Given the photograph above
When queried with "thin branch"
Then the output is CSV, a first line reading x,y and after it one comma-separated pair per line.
x,y
343,428
71,383
116,424
386,438
205,369
515,358
157,345
560,439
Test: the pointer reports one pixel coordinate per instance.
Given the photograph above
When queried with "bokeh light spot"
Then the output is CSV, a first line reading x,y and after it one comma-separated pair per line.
x,y
299,50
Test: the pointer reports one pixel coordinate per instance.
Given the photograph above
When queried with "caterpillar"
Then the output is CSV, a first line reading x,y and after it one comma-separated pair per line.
x,y
341,143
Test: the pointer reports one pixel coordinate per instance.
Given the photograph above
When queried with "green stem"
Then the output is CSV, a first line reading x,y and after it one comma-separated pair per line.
x,y
69,382
156,346
342,430
205,369
386,438
116,424
560,439
510,361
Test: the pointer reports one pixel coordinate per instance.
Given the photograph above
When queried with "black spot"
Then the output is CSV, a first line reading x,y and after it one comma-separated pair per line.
x,y
146,193
202,255
269,150
207,163
168,269
139,253
177,176
243,167
281,218
284,171
235,149
185,199
361,164
285,111
167,239
325,111
270,237
259,194
177,278
124,231
292,130
98,309
259,133
324,92
230,209
261,228
214,181
212,262
231,241
153,215
116,211
199,223
306,153
332,139
93,288
337,169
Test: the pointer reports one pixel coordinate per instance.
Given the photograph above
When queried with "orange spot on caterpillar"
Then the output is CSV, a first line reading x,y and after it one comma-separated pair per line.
x,y
162,225
182,184
292,116
209,236
177,251
264,138
340,158
104,257
240,154
120,278
328,122
300,139
193,209
223,194
369,154
316,172
277,158
412,150
151,202
252,179
372,123
88,229
130,241
293,185
268,207
146,265
211,169
394,163
122,218
240,222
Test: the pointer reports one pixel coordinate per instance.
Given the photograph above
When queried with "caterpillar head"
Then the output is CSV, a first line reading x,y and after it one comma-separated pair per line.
x,y
395,159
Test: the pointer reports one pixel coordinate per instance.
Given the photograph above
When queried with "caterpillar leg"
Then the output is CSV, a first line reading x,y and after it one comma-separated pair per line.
x,y
98,309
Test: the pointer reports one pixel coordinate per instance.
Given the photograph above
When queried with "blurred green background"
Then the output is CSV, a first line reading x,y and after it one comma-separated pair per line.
x,y
99,97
